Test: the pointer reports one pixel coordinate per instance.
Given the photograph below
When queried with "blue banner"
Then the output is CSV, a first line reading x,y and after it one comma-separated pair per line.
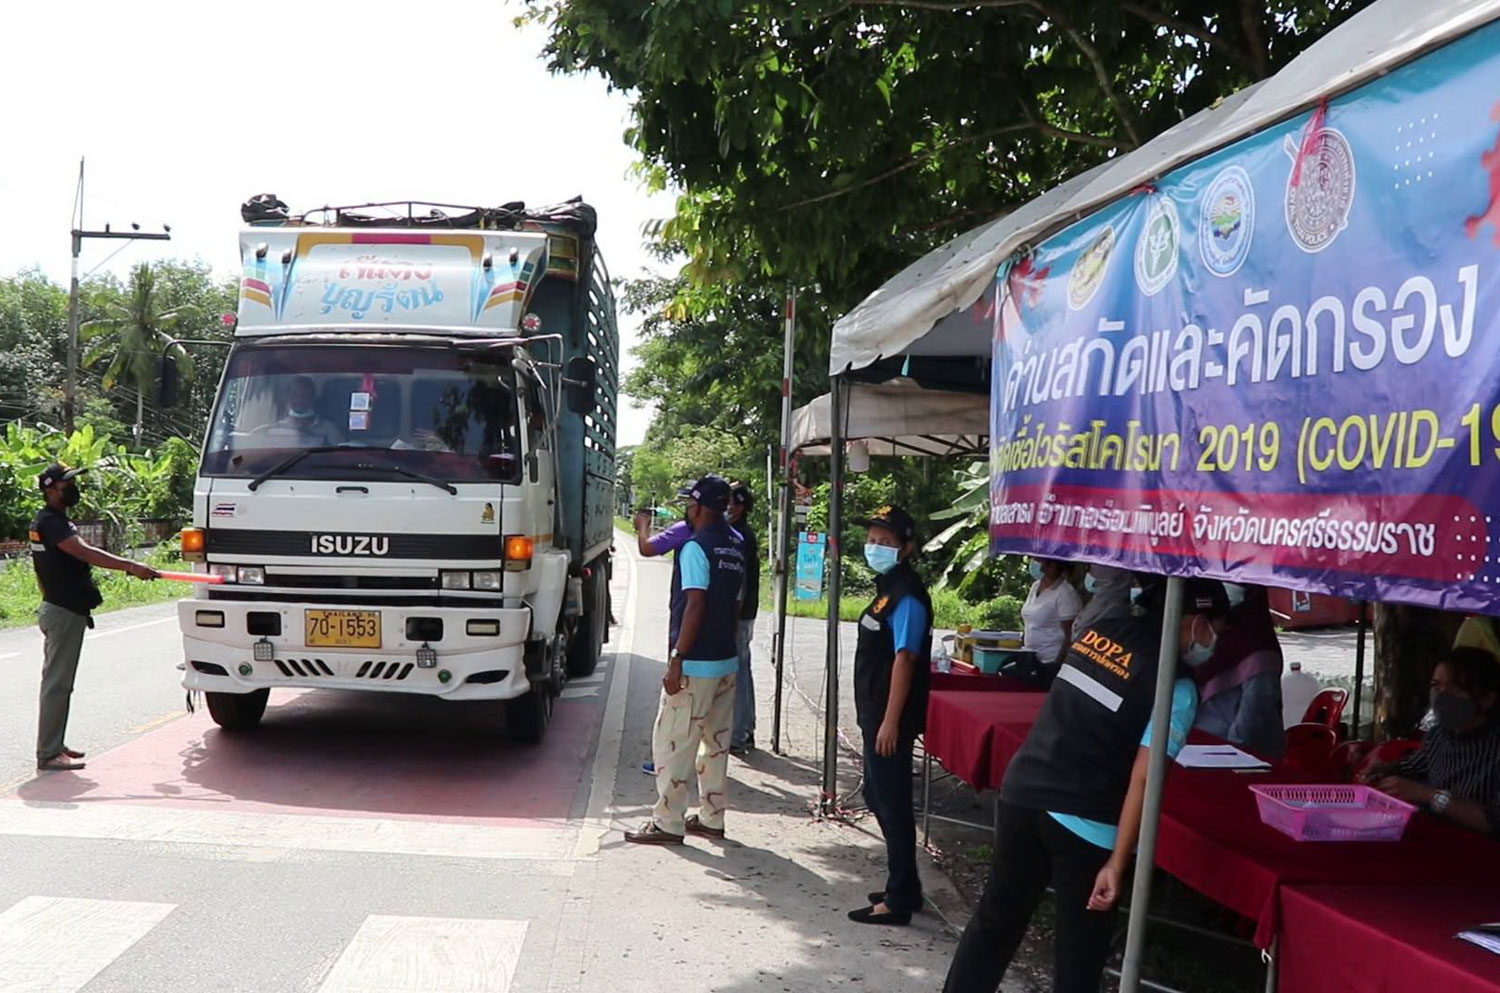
x,y
1279,364
812,548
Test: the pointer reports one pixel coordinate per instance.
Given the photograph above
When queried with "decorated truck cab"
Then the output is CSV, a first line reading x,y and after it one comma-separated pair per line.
x,y
406,484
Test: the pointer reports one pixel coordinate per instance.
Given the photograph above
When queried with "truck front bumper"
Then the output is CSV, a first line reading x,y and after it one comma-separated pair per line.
x,y
219,652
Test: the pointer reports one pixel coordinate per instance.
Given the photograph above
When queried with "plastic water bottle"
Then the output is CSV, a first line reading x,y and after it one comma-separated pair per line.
x,y
940,658
1297,691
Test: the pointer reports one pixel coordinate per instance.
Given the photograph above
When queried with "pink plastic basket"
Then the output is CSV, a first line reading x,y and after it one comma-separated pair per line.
x,y
1332,813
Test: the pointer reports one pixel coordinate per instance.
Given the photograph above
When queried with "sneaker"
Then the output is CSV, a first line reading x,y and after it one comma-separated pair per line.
x,y
649,768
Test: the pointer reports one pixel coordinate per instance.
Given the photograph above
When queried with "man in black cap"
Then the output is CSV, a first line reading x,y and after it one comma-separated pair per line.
x,y
1070,804
62,559
694,718
892,670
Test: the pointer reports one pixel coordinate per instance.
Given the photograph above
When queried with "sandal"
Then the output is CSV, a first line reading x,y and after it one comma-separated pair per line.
x,y
650,834
695,826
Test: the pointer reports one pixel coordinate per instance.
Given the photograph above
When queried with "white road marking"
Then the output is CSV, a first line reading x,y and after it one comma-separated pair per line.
x,y
612,730
169,825
579,692
59,944
421,954
130,627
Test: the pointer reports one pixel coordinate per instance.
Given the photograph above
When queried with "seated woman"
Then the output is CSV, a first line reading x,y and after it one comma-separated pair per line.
x,y
1049,610
1239,687
1456,772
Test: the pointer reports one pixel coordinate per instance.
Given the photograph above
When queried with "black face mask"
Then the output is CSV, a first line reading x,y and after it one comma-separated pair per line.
x,y
1453,711
71,496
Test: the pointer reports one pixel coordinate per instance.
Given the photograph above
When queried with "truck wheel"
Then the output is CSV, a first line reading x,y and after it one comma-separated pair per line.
x,y
527,717
588,636
237,711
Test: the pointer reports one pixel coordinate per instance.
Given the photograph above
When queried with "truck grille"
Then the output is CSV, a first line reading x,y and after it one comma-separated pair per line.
x,y
369,669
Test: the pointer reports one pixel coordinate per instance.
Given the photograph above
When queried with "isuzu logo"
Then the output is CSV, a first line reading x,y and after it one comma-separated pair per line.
x,y
350,544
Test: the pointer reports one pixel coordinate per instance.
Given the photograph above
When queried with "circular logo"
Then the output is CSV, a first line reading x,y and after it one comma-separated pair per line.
x,y
1317,204
1089,268
1156,249
1226,221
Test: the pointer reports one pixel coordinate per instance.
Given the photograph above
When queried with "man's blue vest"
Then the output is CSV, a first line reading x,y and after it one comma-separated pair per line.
x,y
726,580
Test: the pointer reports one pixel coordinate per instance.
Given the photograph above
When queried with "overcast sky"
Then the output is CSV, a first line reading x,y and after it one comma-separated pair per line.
x,y
183,110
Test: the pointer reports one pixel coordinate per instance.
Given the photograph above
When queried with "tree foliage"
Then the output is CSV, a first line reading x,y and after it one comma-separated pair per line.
x,y
832,141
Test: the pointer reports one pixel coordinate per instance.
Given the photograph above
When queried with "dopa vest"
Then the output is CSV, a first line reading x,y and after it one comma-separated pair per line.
x,y
875,655
726,579
1081,750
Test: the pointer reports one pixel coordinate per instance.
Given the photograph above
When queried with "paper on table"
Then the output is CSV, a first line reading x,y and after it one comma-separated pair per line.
x,y
1486,936
1218,757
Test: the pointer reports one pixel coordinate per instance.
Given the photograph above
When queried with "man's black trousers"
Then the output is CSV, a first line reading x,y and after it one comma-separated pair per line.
x,y
1032,849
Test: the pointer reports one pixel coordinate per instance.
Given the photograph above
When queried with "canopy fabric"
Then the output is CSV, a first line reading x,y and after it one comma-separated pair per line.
x,y
898,418
903,315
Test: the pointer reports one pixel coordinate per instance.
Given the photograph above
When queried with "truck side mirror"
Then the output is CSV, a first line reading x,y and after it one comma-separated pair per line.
x,y
166,390
582,380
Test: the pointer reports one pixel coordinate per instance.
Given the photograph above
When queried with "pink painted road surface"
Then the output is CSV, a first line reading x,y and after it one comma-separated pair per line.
x,y
348,754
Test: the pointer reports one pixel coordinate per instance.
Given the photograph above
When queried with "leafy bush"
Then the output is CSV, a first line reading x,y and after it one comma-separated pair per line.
x,y
121,488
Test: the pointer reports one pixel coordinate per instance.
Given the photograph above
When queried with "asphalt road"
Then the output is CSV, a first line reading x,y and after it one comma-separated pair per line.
x,y
354,841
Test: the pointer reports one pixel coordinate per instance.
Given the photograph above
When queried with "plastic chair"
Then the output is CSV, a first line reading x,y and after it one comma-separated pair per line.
x,y
1327,708
1388,751
1309,748
1348,758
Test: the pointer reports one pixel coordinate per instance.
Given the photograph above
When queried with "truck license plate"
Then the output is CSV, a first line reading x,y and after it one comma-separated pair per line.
x,y
342,628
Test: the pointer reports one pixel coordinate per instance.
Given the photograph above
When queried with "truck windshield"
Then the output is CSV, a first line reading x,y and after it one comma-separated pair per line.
x,y
433,411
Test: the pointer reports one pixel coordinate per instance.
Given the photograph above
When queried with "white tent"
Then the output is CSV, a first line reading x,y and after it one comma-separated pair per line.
x,y
905,315
898,418
918,312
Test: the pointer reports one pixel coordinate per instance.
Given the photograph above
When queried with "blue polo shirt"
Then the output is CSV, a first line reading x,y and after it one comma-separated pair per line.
x,y
693,564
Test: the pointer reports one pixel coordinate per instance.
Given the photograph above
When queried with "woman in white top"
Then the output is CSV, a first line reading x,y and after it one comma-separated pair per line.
x,y
1049,611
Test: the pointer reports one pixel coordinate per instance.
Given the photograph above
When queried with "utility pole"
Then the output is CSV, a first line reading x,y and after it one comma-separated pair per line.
x,y
70,383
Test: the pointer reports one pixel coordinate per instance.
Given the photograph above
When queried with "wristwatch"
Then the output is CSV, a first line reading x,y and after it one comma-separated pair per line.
x,y
1440,801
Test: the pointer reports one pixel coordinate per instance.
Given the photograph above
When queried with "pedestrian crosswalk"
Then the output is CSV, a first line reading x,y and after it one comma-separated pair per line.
x,y
412,954
42,946
62,944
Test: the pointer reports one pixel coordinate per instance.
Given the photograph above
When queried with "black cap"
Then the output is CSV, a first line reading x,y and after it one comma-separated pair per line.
x,y
711,493
1199,596
893,518
740,493
57,473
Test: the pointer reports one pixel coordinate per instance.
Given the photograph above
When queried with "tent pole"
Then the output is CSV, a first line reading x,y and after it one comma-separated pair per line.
x,y
1156,774
783,533
835,575
1359,665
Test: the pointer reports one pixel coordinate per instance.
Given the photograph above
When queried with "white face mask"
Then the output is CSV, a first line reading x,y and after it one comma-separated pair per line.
x,y
1198,654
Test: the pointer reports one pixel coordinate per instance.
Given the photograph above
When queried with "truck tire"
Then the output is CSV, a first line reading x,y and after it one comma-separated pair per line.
x,y
527,717
588,636
237,711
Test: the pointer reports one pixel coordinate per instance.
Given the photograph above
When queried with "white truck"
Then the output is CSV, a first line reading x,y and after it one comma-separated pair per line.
x,y
407,481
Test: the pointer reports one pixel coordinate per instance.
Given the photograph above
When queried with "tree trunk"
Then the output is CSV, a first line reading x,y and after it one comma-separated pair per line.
x,y
1407,642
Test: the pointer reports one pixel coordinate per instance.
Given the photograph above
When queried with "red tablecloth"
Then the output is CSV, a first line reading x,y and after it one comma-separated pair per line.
x,y
1386,939
1211,834
1213,840
974,735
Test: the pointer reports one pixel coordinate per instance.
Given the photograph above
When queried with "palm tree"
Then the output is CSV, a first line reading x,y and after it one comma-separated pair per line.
x,y
131,337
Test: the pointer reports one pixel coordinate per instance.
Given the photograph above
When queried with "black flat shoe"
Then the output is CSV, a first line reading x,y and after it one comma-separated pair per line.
x,y
867,915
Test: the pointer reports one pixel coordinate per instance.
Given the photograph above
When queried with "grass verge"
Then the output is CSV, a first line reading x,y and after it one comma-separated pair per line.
x,y
19,595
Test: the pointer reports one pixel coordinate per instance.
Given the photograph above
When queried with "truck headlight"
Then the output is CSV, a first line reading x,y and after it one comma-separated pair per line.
x,y
487,580
227,571
454,580
252,575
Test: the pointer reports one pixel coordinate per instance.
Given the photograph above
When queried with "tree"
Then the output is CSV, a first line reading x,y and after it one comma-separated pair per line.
x,y
131,336
33,341
831,141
